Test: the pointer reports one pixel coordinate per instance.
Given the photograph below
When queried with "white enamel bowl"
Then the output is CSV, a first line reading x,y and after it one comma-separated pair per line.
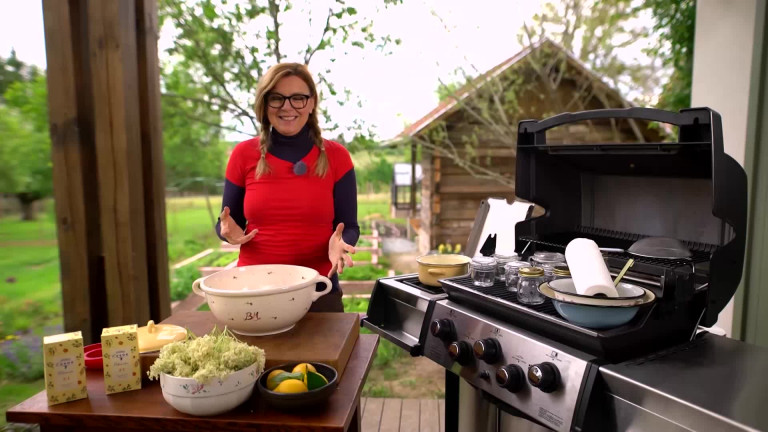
x,y
261,300
214,397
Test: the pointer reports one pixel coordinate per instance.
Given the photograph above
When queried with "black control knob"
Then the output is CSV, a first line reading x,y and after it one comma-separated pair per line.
x,y
544,376
487,350
510,377
460,352
443,329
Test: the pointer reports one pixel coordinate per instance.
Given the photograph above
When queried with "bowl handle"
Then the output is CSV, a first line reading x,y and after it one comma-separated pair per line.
x,y
436,272
317,294
196,287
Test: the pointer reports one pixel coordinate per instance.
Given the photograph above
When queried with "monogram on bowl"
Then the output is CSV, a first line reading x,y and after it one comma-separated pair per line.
x,y
260,300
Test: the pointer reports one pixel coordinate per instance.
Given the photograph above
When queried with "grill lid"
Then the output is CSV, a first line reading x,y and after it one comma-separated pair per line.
x,y
688,190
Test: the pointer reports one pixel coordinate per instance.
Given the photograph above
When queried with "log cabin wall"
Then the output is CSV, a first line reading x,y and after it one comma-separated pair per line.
x,y
104,105
451,195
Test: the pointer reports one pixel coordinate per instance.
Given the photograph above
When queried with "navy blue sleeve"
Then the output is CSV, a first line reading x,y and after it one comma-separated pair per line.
x,y
345,207
234,197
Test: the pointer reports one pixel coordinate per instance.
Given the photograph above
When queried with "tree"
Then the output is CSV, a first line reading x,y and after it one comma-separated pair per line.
x,y
12,70
226,46
593,31
25,145
675,24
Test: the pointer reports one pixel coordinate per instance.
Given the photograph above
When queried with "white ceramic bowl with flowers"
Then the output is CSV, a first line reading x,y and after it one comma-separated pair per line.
x,y
208,375
263,299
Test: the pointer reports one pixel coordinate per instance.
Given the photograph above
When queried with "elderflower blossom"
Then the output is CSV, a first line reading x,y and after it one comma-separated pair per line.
x,y
214,355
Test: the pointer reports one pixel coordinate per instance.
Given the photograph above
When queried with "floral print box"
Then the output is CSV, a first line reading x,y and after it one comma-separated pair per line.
x,y
120,349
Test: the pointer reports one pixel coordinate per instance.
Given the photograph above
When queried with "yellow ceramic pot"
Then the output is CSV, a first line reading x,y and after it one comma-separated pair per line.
x,y
434,267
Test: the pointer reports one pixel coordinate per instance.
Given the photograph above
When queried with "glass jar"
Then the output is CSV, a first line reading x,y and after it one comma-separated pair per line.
x,y
501,261
561,272
528,285
542,257
483,270
511,276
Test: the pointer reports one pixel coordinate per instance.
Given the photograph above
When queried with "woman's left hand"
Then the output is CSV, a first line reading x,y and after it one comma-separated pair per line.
x,y
338,252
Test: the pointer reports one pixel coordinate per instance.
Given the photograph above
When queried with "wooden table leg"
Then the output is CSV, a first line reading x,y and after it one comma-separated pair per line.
x,y
356,424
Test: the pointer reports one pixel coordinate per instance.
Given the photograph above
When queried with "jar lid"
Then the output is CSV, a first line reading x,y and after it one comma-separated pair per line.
x,y
561,270
517,264
543,256
504,257
153,336
483,262
531,271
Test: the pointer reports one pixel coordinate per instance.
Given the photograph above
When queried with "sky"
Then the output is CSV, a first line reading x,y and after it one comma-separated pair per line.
x,y
438,36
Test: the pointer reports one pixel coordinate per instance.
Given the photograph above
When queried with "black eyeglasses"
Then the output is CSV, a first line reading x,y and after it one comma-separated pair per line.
x,y
297,101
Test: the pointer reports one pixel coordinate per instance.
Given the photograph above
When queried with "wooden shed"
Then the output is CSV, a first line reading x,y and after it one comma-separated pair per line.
x,y
468,142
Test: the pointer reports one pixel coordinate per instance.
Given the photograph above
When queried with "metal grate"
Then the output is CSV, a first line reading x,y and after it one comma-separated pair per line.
x,y
414,282
499,291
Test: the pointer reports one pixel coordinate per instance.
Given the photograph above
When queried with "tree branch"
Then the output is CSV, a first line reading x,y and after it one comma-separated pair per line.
x,y
273,12
311,51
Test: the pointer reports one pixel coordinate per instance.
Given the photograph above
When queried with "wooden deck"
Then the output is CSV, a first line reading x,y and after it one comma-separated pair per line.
x,y
403,415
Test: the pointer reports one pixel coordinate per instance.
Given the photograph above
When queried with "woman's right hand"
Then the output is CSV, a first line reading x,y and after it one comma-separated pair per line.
x,y
231,231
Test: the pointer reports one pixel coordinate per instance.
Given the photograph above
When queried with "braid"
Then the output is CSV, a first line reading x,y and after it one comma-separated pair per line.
x,y
321,166
262,167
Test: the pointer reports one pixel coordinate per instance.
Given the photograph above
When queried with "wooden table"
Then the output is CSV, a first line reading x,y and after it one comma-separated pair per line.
x,y
146,409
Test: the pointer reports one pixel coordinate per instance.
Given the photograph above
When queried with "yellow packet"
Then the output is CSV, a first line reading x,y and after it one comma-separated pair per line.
x,y
120,351
64,367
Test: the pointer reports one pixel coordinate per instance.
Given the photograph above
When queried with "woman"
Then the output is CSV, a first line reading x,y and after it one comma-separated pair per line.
x,y
290,196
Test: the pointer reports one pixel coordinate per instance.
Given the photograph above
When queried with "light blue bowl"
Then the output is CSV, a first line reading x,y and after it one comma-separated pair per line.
x,y
596,317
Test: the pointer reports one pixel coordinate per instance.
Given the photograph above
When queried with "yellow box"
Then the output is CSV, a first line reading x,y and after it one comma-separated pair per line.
x,y
64,367
120,351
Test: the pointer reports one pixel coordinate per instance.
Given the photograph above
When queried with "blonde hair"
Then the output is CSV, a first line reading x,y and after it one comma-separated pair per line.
x,y
268,82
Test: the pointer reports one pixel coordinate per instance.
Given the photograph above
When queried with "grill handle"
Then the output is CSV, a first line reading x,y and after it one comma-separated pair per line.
x,y
531,132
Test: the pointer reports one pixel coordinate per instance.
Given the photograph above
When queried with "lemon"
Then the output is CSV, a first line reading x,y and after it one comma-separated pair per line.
x,y
314,380
273,380
303,368
291,386
274,373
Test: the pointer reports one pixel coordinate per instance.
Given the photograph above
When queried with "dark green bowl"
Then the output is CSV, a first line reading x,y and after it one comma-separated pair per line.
x,y
312,398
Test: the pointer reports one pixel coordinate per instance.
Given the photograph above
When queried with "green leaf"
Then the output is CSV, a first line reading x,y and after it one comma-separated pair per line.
x,y
210,11
315,380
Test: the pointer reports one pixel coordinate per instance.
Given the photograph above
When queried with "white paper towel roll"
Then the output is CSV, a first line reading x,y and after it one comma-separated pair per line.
x,y
588,270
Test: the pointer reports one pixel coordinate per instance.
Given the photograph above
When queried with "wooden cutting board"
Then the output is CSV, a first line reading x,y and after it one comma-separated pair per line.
x,y
318,337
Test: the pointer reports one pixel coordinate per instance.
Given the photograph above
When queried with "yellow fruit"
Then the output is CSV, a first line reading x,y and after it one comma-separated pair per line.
x,y
291,386
274,381
303,368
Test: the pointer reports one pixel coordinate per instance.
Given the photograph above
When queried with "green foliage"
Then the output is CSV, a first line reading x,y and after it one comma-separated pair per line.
x,y
209,45
217,259
376,175
362,256
675,24
355,304
376,391
365,272
14,70
181,281
25,146
193,148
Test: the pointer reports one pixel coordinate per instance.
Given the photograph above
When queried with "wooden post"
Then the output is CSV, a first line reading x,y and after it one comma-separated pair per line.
x,y
104,104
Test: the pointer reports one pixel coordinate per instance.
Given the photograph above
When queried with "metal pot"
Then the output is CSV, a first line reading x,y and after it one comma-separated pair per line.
x,y
434,267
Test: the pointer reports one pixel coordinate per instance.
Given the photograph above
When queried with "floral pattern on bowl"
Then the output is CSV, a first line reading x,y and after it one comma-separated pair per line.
x,y
211,398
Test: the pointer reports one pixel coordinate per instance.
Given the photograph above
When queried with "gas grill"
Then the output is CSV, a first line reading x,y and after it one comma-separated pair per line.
x,y
509,364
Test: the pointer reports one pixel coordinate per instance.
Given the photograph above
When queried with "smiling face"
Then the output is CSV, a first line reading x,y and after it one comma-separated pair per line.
x,y
289,120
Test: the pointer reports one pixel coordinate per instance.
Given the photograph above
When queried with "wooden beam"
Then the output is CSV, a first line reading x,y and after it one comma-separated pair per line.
x,y
73,230
153,166
104,103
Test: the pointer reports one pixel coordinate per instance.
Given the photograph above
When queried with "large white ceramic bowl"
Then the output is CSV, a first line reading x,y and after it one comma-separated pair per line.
x,y
214,397
261,300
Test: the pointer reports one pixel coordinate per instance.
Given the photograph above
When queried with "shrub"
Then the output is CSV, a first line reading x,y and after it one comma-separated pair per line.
x,y
365,272
181,281
21,363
